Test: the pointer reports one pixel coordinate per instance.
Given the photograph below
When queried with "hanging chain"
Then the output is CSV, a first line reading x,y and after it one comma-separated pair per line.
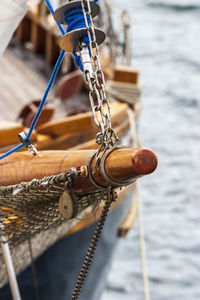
x,y
93,245
106,137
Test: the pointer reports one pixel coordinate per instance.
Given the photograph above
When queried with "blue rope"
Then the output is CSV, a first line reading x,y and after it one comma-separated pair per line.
x,y
48,3
75,20
42,103
12,151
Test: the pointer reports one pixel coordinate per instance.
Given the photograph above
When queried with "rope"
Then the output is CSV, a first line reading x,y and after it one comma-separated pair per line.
x,y
143,251
142,243
48,3
42,103
75,20
49,86
12,151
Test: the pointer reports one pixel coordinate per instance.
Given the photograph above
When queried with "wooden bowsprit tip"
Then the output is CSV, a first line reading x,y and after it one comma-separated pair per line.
x,y
144,161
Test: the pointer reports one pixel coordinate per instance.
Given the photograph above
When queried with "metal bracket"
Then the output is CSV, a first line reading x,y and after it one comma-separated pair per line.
x,y
86,61
113,183
70,42
27,143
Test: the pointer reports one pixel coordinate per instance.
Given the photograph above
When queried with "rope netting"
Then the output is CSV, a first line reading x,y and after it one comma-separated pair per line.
x,y
28,208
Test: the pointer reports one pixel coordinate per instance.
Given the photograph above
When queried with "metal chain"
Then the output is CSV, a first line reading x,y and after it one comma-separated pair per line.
x,y
93,245
106,137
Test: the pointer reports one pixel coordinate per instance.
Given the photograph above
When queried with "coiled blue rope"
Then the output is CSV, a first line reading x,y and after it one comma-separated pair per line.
x,y
72,24
76,20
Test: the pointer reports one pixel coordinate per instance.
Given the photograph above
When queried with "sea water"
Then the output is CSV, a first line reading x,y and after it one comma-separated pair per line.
x,y
166,50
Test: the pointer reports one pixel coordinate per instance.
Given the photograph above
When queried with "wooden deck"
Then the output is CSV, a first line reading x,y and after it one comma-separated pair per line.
x,y
19,84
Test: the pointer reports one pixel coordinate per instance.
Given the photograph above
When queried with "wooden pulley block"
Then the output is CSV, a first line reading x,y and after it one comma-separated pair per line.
x,y
70,42
69,85
29,111
61,11
67,206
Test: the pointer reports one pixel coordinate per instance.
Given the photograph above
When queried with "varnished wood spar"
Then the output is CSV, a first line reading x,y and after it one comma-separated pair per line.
x,y
121,165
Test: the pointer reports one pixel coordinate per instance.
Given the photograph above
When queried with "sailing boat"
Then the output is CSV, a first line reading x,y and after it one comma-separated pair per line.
x,y
48,194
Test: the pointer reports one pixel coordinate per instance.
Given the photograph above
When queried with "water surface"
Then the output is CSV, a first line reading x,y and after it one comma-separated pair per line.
x,y
166,50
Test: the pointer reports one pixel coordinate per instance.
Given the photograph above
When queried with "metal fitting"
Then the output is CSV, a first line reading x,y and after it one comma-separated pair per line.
x,y
86,61
27,143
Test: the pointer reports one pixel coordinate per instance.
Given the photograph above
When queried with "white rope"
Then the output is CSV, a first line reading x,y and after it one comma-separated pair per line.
x,y
136,142
143,249
10,269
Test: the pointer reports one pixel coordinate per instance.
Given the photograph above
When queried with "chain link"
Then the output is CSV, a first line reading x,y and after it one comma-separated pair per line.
x,y
106,137
93,245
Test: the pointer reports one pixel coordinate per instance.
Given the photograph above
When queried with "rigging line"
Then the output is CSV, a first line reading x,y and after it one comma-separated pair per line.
x,y
75,19
142,243
51,81
48,3
50,7
147,295
12,151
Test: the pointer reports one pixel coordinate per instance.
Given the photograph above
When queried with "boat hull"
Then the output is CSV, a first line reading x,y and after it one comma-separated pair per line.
x,y
58,267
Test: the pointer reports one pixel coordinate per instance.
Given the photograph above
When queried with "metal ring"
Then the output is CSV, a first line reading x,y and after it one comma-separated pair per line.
x,y
104,173
89,164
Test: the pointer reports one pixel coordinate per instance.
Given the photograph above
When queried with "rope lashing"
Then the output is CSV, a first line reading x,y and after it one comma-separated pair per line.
x,y
75,20
27,143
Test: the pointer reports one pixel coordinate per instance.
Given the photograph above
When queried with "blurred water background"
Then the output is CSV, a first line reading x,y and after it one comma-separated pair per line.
x,y
166,50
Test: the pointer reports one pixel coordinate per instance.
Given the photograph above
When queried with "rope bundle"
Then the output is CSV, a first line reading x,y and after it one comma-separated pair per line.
x,y
76,20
